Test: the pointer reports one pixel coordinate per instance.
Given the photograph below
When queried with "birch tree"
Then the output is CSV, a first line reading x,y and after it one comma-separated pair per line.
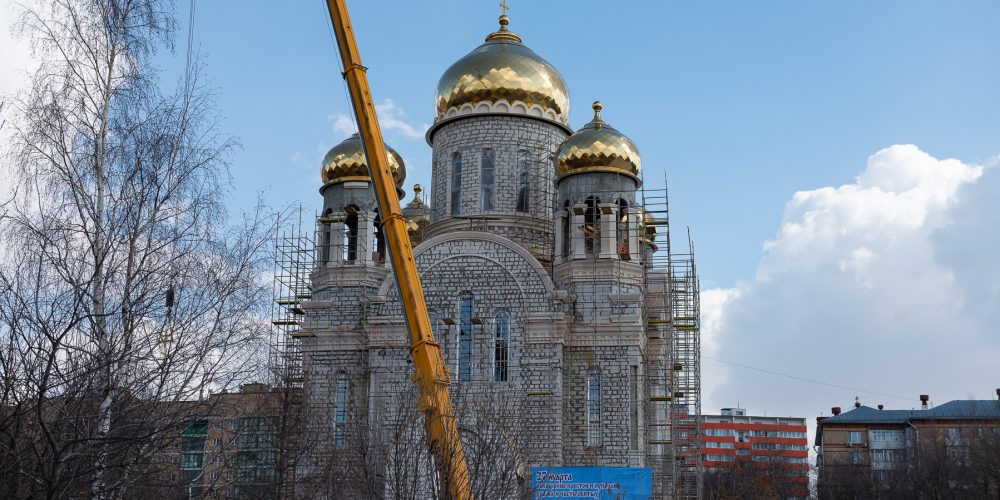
x,y
124,285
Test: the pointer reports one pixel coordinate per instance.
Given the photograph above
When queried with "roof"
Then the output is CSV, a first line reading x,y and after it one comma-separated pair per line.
x,y
980,409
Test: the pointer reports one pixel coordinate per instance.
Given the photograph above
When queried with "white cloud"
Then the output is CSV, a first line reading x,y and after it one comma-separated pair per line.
x,y
343,125
16,62
15,58
889,284
390,117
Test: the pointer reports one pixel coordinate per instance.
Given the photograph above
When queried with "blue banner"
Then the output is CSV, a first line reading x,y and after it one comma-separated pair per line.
x,y
605,483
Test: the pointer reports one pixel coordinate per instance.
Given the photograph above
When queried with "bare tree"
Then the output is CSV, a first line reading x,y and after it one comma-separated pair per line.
x,y
767,476
963,466
384,452
123,286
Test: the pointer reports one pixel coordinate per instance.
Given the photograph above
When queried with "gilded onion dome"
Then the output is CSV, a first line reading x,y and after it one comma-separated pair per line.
x,y
417,215
347,162
597,147
503,69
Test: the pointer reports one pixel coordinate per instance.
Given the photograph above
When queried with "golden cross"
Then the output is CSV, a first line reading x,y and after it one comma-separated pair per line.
x,y
503,7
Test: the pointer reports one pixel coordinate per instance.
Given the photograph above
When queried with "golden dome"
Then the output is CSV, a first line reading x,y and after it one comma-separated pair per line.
x,y
502,69
347,162
597,147
417,215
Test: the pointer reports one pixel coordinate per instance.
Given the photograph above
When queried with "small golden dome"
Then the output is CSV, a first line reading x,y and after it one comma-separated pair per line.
x,y
598,147
347,162
504,69
417,215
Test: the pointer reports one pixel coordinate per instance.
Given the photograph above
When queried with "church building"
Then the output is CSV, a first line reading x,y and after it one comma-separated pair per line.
x,y
569,329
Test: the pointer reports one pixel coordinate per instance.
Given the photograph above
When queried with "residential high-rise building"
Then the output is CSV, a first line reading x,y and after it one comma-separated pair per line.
x,y
755,453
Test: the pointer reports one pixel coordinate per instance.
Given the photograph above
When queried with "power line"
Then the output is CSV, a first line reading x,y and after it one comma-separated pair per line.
x,y
805,379
190,45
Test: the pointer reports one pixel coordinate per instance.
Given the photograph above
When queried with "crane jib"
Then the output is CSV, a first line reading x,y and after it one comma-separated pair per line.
x,y
431,371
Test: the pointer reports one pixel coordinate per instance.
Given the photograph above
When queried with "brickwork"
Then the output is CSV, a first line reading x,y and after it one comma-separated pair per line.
x,y
605,186
614,365
507,136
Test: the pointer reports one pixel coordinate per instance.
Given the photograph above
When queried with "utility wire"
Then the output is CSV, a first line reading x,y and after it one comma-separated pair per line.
x,y
190,49
805,379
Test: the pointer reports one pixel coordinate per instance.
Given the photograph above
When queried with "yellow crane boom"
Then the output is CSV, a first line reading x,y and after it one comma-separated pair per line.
x,y
431,371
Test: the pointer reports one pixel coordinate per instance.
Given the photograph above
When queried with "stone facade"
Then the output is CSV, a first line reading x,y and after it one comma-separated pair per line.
x,y
516,142
568,311
538,293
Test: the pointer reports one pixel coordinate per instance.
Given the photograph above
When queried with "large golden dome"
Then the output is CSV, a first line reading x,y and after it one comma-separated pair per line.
x,y
597,147
502,75
347,162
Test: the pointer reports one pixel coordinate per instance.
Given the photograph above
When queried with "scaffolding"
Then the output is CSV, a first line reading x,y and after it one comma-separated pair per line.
x,y
293,250
672,315
685,312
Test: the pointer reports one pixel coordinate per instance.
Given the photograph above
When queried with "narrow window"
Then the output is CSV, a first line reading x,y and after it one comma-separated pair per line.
x,y
456,183
465,338
379,243
501,343
567,221
326,238
523,193
351,233
487,171
633,399
623,230
594,407
591,228
340,411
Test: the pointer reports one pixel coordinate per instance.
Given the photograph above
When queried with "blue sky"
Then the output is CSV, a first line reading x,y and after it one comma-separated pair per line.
x,y
836,161
741,103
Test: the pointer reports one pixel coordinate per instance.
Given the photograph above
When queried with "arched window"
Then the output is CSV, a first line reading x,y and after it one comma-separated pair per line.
x,y
594,407
591,226
340,410
523,192
351,233
623,230
501,342
487,175
456,183
567,222
465,338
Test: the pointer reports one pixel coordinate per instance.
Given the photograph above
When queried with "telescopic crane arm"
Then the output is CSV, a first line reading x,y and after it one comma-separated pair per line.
x,y
431,371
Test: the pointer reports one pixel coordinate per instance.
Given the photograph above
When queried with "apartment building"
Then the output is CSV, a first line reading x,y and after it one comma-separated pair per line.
x,y
234,445
762,453
951,447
